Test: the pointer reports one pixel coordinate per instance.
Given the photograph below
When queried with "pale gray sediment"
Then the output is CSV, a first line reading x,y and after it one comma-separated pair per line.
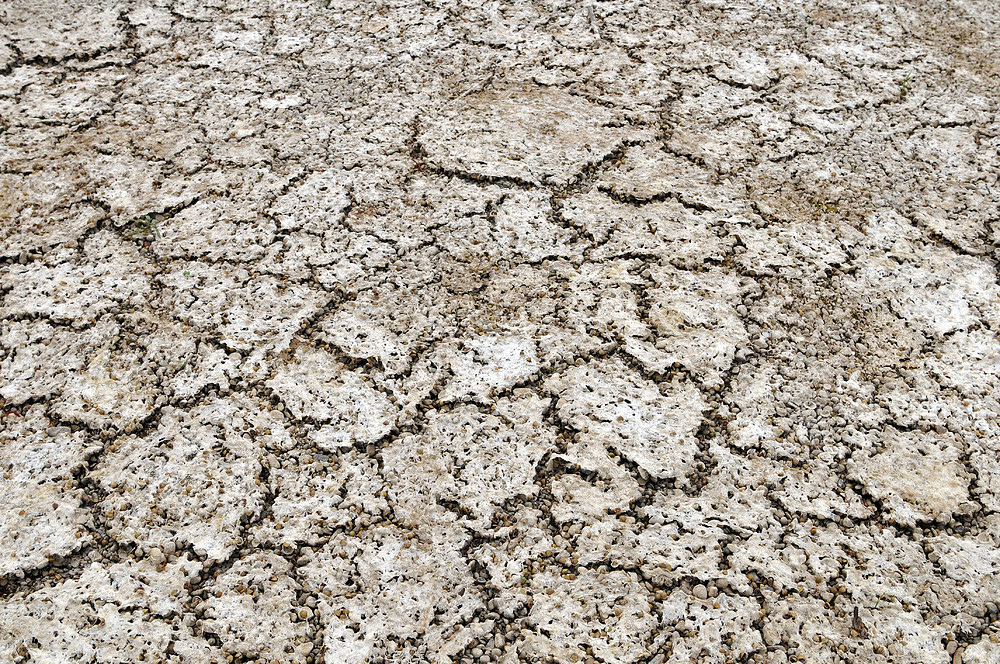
x,y
633,332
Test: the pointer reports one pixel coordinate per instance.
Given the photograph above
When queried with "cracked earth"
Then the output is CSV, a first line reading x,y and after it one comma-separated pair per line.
x,y
440,332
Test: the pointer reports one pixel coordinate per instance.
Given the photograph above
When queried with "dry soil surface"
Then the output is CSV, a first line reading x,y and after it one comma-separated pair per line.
x,y
632,332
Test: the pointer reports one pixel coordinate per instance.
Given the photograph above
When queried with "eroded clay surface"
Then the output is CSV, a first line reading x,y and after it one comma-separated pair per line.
x,y
458,333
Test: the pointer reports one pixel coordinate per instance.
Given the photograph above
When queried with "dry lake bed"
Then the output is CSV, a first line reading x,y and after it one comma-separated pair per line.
x,y
608,331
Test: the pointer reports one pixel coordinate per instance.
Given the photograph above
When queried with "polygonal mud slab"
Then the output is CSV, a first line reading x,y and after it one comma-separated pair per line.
x,y
696,321
525,228
190,482
41,210
108,274
101,375
535,135
918,476
388,325
968,362
60,30
316,494
666,230
649,173
251,313
821,632
315,204
486,366
720,628
511,556
618,410
770,233
608,614
987,651
125,612
475,460
42,505
314,385
213,229
386,591
251,610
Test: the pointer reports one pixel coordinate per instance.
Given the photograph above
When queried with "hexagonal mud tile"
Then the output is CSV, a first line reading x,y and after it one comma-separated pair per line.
x,y
121,613
43,209
389,585
697,325
819,632
314,385
389,324
251,610
510,553
192,481
42,507
532,134
614,407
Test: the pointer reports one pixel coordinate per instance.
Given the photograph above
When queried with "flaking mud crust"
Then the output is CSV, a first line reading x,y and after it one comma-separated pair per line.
x,y
622,332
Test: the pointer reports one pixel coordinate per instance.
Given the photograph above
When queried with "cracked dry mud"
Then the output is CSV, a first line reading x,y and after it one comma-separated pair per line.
x,y
627,332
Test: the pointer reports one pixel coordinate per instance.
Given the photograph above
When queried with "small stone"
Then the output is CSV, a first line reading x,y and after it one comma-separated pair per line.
x,y
700,591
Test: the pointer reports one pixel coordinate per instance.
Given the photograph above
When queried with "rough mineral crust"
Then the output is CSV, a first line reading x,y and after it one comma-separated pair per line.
x,y
43,512
917,478
192,481
123,612
609,615
618,411
250,610
393,593
316,386
477,461
527,133
427,332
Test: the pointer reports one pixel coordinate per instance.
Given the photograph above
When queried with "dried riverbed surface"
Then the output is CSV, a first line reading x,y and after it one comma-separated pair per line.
x,y
625,331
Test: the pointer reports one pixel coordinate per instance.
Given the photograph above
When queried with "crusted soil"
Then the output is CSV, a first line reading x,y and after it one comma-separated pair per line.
x,y
644,332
